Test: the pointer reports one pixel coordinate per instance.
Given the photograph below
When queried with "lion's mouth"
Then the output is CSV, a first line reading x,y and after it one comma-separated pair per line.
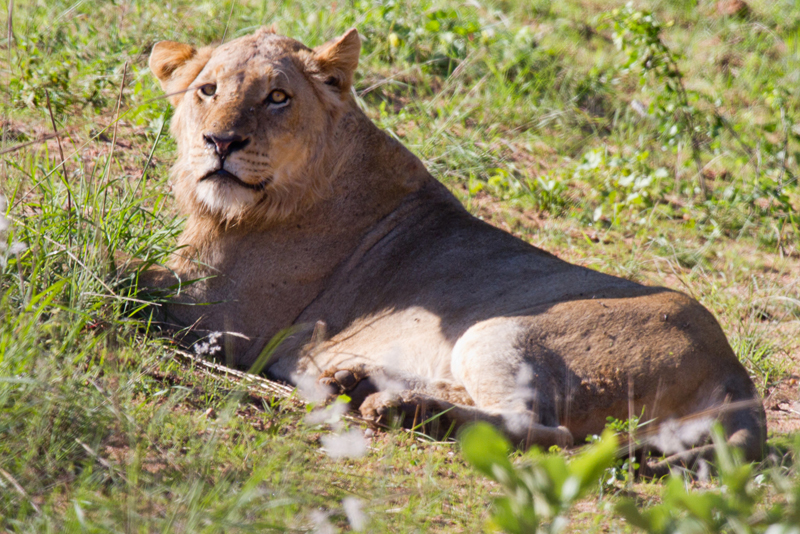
x,y
223,175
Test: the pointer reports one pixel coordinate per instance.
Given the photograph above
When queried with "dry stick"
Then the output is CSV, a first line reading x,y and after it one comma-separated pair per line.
x,y
150,157
60,151
654,419
416,414
630,429
230,14
19,489
745,148
785,149
114,137
20,146
694,141
102,461
648,434
10,26
254,384
64,175
8,80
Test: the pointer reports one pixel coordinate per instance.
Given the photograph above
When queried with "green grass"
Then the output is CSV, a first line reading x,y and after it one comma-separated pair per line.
x,y
526,110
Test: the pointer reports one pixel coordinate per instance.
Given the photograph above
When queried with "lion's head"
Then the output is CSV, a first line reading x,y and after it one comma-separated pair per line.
x,y
253,119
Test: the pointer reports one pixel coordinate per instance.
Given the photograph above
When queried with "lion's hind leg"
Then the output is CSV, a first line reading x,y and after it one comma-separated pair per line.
x,y
512,391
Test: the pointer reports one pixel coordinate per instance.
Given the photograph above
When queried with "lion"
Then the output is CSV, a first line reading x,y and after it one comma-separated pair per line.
x,y
303,214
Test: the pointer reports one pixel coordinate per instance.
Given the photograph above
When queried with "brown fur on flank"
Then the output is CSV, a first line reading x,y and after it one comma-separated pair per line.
x,y
303,213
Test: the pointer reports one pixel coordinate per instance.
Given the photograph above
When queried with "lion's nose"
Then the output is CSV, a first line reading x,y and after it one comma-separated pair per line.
x,y
225,145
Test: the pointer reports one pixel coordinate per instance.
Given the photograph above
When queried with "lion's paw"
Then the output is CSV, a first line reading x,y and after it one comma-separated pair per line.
x,y
340,380
348,382
402,408
377,406
564,437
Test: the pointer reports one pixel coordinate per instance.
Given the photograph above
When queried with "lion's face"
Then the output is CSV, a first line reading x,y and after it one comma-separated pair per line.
x,y
253,120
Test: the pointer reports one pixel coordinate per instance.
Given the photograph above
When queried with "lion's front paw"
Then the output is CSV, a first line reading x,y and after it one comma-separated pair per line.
x,y
340,380
348,382
378,406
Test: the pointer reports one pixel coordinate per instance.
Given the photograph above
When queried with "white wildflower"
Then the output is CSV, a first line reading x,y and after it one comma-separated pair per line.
x,y
349,444
677,436
5,224
387,384
354,509
640,109
330,415
17,248
210,347
311,390
703,472
517,423
321,523
523,391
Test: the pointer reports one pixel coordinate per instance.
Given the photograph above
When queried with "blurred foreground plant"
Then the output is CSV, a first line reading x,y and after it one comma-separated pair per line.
x,y
538,494
735,505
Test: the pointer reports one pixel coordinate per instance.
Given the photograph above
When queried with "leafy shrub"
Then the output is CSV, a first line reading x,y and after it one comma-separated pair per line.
x,y
621,183
540,492
735,506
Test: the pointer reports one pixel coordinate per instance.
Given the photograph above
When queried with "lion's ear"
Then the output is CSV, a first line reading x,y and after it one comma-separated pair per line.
x,y
338,59
176,65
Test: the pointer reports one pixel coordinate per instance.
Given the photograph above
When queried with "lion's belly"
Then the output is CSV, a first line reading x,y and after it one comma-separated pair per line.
x,y
408,341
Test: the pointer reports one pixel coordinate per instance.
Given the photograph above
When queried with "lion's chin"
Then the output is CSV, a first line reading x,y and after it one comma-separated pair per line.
x,y
224,177
225,199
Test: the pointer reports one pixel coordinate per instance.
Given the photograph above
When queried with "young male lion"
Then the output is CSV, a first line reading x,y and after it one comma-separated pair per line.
x,y
301,212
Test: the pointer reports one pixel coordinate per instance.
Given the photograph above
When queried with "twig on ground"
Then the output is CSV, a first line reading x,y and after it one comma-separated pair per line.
x,y
20,489
114,137
152,152
64,173
227,23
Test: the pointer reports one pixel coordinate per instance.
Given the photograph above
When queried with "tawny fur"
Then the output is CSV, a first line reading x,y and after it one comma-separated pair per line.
x,y
332,222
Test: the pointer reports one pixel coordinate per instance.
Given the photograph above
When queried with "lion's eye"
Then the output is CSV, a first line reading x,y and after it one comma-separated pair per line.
x,y
208,89
277,97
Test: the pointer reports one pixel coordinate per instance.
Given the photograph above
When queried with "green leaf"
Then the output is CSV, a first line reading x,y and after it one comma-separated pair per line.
x,y
589,466
627,509
484,447
554,467
512,519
